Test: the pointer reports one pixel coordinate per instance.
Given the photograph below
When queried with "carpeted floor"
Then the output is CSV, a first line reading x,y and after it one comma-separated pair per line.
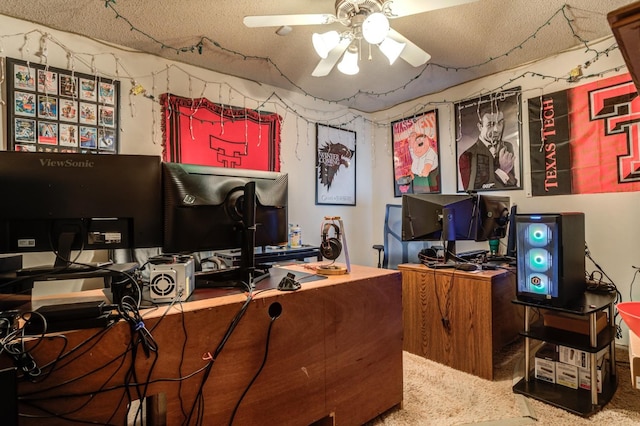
x,y
435,394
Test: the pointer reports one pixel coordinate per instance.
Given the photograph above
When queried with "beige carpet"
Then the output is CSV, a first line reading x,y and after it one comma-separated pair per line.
x,y
435,394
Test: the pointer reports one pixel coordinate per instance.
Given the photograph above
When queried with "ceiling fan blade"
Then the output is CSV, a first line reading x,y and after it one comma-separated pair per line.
x,y
325,66
280,20
412,7
411,53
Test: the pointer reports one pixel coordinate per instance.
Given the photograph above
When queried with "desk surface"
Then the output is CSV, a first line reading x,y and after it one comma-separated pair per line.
x,y
486,274
207,297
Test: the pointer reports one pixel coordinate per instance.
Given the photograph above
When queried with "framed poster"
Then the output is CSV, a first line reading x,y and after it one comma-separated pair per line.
x,y
335,166
416,154
488,148
56,110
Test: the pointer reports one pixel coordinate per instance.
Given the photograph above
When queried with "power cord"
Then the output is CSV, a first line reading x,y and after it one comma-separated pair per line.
x,y
211,358
14,345
264,361
444,318
128,310
600,286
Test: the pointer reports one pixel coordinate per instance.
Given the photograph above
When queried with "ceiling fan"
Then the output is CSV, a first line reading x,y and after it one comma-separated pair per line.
x,y
366,20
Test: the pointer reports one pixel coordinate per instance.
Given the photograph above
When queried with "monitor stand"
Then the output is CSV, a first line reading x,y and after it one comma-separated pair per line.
x,y
247,275
62,264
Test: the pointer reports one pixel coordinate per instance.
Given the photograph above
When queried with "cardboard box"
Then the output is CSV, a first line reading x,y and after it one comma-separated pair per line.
x,y
577,357
545,370
634,359
584,378
567,375
574,323
545,363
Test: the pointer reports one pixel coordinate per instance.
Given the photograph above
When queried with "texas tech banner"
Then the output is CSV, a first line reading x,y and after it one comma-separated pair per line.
x,y
586,139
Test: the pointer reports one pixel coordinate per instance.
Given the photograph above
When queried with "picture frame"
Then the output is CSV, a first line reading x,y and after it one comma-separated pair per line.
x,y
335,169
488,142
416,154
57,110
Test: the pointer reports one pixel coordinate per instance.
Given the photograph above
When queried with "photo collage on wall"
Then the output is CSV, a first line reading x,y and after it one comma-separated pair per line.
x,y
56,110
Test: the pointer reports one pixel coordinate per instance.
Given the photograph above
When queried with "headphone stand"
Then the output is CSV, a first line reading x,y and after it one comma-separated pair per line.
x,y
340,233
331,270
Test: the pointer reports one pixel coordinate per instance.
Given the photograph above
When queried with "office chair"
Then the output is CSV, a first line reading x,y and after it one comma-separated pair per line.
x,y
394,251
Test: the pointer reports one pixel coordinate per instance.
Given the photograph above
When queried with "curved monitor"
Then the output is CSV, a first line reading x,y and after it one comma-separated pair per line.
x,y
204,207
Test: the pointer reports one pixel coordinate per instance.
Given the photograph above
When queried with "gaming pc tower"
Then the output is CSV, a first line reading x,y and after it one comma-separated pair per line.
x,y
550,258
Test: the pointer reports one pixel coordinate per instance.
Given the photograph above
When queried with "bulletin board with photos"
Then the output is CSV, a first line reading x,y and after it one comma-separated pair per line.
x,y
56,110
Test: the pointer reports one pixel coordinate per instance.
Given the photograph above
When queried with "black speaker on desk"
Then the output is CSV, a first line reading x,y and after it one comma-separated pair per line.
x,y
550,257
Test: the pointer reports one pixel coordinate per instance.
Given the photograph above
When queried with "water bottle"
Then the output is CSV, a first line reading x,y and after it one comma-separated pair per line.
x,y
295,237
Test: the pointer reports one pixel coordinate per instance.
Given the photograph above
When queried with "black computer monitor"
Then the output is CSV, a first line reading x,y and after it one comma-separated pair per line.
x,y
492,217
59,202
210,208
439,217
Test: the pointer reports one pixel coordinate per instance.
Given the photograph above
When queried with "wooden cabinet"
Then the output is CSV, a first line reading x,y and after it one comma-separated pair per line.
x,y
458,318
333,352
578,401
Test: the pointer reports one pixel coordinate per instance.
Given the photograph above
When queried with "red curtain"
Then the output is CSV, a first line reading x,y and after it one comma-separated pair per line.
x,y
198,131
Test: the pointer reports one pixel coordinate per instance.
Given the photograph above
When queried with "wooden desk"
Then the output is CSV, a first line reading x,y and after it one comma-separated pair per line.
x,y
334,357
458,318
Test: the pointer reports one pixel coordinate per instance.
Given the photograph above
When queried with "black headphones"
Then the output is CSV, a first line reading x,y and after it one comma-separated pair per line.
x,y
331,247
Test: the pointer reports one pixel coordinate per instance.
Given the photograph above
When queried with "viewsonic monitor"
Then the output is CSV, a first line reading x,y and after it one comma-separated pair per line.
x,y
59,202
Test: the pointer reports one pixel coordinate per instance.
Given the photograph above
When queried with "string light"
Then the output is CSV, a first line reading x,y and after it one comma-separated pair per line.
x,y
2,76
153,110
341,118
562,11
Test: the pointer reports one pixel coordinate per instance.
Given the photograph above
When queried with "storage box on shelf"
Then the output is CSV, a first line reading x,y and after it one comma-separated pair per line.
x,y
545,363
593,356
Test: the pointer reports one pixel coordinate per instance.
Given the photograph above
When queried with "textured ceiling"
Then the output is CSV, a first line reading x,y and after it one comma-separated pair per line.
x,y
466,42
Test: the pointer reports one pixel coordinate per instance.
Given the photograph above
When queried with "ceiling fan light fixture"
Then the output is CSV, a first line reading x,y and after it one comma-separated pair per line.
x,y
325,43
391,49
375,28
284,30
349,63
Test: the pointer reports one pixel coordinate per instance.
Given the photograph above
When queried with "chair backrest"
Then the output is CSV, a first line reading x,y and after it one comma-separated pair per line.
x,y
397,251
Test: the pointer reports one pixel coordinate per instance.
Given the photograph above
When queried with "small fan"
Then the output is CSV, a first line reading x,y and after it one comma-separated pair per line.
x,y
366,20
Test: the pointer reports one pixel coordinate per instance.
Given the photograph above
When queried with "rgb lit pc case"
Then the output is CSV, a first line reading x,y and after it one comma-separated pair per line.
x,y
550,255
